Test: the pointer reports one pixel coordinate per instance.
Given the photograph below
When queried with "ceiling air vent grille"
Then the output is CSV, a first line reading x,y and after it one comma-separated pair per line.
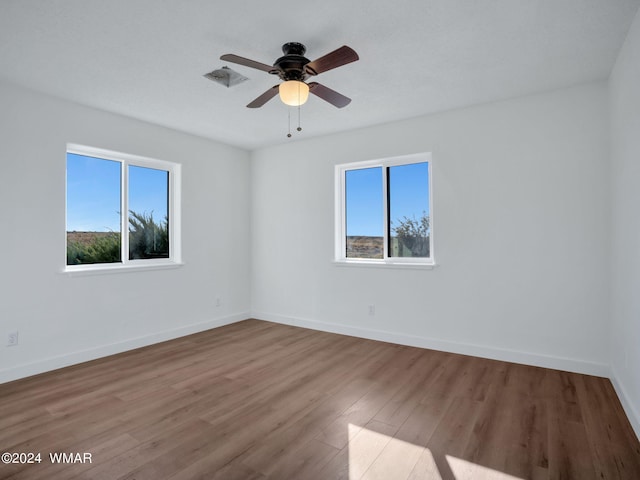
x,y
225,76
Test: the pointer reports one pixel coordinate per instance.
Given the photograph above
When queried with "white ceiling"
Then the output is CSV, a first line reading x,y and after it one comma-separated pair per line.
x,y
146,58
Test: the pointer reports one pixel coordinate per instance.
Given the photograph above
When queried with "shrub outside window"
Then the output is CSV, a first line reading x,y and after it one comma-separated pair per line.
x,y
122,210
384,211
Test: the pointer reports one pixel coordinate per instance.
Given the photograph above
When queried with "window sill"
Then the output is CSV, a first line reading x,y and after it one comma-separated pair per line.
x,y
82,270
384,264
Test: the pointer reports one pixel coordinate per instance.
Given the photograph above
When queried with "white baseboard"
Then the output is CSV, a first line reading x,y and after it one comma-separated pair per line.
x,y
558,363
526,358
632,414
53,363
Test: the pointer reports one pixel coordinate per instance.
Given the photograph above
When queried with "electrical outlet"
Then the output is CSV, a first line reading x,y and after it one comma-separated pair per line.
x,y
218,301
12,338
372,310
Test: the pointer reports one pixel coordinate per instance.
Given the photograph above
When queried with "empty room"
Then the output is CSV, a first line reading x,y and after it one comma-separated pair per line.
x,y
335,240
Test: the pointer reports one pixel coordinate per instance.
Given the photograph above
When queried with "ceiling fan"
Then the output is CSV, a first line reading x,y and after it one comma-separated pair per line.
x,y
294,69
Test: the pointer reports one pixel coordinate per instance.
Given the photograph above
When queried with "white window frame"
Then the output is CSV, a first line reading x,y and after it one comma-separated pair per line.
x,y
175,244
340,213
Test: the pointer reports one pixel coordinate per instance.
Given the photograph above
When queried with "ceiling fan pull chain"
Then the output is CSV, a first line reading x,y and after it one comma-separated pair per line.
x,y
299,104
289,114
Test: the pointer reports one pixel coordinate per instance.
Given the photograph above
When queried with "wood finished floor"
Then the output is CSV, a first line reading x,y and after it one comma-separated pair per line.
x,y
257,401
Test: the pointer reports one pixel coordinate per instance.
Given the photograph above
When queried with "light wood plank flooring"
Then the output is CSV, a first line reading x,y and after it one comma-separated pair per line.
x,y
257,401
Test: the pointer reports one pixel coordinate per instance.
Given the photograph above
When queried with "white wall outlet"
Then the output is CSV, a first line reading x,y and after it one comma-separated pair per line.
x,y
12,338
372,310
218,301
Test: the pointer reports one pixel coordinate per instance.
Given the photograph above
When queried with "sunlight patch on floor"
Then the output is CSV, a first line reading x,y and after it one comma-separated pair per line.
x,y
464,470
364,447
374,455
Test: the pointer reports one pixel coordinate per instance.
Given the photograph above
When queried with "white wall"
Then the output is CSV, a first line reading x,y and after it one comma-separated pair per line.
x,y
625,142
65,319
521,214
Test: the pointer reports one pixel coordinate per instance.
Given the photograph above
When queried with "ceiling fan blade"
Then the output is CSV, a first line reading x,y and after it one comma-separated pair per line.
x,y
229,57
334,98
337,58
265,97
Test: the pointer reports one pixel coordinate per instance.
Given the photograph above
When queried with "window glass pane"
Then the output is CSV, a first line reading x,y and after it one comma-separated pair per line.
x,y
409,227
364,213
93,210
148,213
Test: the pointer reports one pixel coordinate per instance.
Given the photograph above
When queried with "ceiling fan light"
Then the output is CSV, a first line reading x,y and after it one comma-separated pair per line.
x,y
293,92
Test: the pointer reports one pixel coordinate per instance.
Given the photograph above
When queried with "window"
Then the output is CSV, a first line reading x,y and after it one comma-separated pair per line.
x,y
383,211
122,210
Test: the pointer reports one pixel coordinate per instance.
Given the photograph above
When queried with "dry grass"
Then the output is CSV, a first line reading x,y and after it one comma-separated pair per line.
x,y
85,238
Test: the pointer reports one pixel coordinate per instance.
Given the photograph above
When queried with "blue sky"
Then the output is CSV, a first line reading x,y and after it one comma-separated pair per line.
x,y
408,192
93,193
148,191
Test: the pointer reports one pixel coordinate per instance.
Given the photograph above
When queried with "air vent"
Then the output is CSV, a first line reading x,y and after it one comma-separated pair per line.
x,y
225,76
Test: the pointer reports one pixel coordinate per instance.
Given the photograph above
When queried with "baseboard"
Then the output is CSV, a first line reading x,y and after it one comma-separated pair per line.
x,y
627,405
526,358
53,363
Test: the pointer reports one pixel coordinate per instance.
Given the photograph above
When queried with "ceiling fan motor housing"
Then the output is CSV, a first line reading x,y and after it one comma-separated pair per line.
x,y
291,65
